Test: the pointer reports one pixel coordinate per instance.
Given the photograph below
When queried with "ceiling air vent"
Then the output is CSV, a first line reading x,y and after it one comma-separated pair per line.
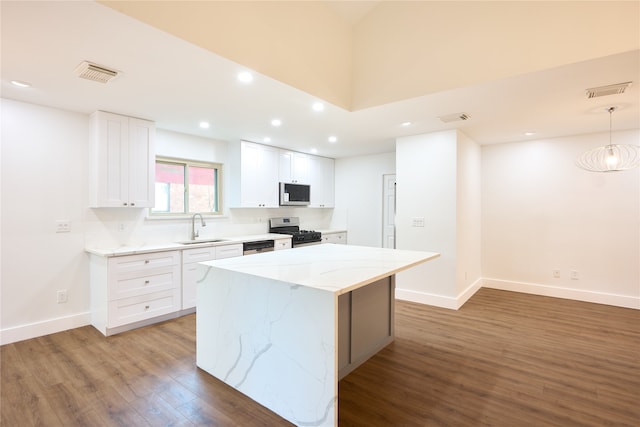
x,y
94,72
615,89
456,117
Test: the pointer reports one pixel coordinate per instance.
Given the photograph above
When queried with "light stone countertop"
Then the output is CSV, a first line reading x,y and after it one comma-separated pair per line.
x,y
160,247
332,231
331,267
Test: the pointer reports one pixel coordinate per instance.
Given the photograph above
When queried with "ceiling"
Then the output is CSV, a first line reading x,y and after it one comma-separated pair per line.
x,y
178,85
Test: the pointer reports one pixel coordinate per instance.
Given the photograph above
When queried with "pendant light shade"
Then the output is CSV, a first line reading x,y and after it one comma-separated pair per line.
x,y
610,158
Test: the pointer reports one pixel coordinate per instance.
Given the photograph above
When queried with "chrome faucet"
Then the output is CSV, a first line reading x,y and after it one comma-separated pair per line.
x,y
194,233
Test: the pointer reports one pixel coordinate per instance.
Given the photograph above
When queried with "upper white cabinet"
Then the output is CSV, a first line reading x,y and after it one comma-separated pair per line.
x,y
321,179
256,170
258,175
122,162
294,167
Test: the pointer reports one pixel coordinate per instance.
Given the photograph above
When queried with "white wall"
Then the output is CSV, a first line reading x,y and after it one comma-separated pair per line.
x,y
358,182
540,213
44,179
426,188
469,222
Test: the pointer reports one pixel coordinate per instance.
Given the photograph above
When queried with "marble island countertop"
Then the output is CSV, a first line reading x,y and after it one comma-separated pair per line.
x,y
281,326
159,247
330,267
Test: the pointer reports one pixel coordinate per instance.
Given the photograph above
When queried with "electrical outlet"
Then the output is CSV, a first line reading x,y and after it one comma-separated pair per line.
x,y
574,275
63,296
63,226
556,274
122,226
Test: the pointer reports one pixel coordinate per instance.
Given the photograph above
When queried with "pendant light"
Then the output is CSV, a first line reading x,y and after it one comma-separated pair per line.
x,y
610,158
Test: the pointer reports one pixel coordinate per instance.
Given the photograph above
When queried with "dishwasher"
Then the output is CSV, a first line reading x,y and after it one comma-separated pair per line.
x,y
250,248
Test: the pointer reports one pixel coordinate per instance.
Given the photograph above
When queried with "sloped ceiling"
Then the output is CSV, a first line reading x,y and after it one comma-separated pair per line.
x,y
364,54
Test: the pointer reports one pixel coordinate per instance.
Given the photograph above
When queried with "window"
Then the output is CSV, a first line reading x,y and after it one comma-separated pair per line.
x,y
186,187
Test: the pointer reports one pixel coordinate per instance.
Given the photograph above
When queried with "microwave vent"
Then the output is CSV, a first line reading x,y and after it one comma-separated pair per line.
x,y
615,89
94,72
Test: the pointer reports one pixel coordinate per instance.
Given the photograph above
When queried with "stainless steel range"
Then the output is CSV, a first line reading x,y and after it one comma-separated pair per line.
x,y
291,225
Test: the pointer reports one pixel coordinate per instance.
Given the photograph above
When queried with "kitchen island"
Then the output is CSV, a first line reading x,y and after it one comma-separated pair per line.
x,y
283,327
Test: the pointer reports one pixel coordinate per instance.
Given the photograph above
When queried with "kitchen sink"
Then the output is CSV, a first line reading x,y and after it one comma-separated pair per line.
x,y
193,242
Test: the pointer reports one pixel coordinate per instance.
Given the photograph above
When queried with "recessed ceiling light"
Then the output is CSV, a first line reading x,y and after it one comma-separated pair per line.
x,y
333,139
245,77
276,122
406,123
266,139
204,125
20,83
318,106
529,133
314,151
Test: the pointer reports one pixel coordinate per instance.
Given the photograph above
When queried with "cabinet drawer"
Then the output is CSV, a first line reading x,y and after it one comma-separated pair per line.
x,y
137,283
282,244
198,254
143,262
134,309
339,238
228,251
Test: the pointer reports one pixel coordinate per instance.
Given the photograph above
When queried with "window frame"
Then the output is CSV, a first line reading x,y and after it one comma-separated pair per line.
x,y
186,164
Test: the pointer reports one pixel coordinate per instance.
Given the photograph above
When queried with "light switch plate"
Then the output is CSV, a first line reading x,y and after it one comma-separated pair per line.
x,y
417,221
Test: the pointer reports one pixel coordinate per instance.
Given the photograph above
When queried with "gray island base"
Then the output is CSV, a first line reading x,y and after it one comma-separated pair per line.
x,y
283,327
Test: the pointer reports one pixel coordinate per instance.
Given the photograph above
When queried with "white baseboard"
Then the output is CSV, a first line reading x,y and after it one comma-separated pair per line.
x,y
439,300
46,327
567,293
33,330
527,288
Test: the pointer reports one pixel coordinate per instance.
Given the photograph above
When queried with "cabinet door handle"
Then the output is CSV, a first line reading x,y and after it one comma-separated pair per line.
x,y
133,204
146,282
146,307
124,204
146,261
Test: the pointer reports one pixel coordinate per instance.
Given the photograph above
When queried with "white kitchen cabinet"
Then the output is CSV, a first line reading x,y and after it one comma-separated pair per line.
x,y
191,274
229,251
294,167
338,237
321,179
258,176
279,244
134,290
122,161
190,260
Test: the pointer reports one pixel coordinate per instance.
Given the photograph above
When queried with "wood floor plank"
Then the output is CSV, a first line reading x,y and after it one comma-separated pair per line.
x,y
503,359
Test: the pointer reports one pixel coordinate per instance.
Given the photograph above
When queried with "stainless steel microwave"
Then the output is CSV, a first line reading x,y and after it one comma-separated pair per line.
x,y
294,194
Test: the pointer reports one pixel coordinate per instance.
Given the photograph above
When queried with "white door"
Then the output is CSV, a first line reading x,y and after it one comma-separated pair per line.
x,y
389,211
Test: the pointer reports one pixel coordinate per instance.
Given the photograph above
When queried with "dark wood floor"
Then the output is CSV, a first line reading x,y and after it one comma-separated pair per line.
x,y
503,359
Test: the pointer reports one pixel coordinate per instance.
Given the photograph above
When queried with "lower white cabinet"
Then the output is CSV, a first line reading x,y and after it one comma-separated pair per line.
x,y
191,273
339,237
279,244
134,290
